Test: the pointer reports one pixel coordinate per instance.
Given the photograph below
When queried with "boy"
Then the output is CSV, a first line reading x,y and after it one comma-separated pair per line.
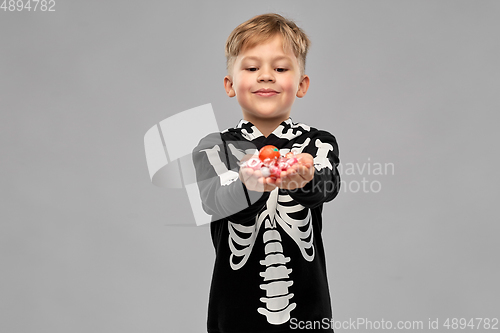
x,y
270,269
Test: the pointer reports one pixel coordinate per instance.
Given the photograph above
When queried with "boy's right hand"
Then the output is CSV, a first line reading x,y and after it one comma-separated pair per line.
x,y
253,179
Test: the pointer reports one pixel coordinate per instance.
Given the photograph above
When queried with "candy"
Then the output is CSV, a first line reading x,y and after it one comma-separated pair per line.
x,y
269,152
270,162
275,171
265,171
254,163
291,161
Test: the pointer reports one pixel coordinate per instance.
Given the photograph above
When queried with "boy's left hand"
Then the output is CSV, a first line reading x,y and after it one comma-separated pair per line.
x,y
298,175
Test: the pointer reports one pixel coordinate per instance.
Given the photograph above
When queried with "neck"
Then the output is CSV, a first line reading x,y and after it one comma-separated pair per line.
x,y
266,125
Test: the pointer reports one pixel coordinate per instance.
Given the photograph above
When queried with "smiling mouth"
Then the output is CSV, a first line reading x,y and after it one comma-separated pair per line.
x,y
266,93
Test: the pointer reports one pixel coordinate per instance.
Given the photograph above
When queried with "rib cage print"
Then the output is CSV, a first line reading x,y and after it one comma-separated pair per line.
x,y
278,300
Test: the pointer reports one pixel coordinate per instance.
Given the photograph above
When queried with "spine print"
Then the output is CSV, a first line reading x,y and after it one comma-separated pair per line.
x,y
276,279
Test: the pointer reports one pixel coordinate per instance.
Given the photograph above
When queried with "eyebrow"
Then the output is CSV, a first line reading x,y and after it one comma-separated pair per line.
x,y
257,58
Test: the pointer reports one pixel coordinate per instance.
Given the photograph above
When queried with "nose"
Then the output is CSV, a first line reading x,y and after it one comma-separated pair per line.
x,y
266,75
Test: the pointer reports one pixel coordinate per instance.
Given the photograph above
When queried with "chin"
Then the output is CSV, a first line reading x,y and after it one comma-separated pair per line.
x,y
269,113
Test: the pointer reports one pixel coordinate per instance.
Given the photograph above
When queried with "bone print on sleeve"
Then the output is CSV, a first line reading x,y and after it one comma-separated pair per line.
x,y
222,193
326,182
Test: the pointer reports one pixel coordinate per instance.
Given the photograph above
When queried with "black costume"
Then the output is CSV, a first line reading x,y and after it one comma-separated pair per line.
x,y
270,263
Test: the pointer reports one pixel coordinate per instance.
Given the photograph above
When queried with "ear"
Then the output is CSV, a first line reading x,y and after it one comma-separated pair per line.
x,y
228,86
303,86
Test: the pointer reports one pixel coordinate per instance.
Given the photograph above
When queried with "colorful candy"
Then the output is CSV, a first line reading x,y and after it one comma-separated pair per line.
x,y
270,162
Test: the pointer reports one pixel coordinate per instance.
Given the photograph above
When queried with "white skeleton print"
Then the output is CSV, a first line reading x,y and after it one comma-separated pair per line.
x,y
276,275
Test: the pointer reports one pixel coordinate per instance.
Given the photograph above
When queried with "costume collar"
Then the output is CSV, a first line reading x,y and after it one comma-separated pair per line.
x,y
253,132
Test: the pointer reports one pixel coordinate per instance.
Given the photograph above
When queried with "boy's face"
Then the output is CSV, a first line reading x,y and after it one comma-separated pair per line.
x,y
266,66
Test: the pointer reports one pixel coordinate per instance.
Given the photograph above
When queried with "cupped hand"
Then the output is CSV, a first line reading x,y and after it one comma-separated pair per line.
x,y
254,181
298,175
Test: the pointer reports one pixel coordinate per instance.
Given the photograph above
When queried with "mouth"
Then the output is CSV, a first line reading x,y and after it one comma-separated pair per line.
x,y
266,92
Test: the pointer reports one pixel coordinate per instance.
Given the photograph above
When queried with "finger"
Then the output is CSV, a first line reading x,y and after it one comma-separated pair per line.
x,y
278,182
270,181
266,180
309,174
300,170
293,181
308,169
244,175
251,180
248,171
269,187
305,173
257,184
252,175
306,162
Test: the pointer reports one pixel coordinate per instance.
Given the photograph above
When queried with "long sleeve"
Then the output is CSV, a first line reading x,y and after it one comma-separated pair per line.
x,y
222,193
325,185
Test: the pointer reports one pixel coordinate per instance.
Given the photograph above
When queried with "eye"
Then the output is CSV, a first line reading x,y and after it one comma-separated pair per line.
x,y
282,70
251,69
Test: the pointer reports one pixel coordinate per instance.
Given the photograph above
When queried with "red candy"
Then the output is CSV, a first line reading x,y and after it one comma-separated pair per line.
x,y
269,152
270,162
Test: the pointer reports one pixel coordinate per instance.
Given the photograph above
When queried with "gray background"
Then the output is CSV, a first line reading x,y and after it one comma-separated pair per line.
x,y
85,239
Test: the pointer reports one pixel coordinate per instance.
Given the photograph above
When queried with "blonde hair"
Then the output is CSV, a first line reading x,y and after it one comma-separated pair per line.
x,y
262,28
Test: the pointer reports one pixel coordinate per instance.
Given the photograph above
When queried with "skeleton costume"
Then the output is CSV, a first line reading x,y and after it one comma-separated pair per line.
x,y
270,269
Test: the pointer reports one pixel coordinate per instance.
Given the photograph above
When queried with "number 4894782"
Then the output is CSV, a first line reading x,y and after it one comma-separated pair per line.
x,y
29,5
